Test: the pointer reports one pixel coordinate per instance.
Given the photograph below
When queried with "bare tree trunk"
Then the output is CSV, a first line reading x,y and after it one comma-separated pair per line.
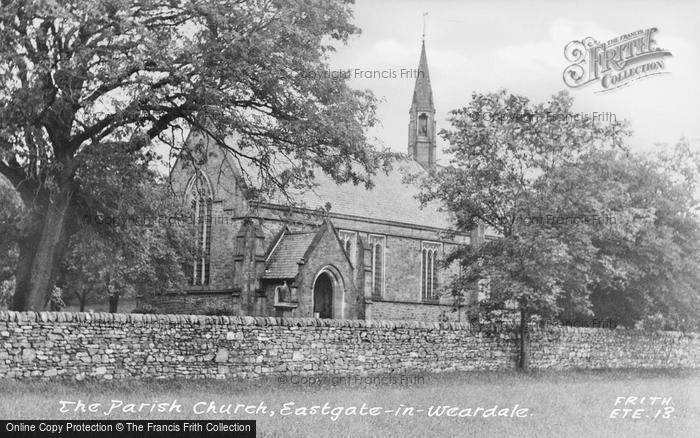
x,y
524,362
27,250
41,251
113,296
113,302
82,298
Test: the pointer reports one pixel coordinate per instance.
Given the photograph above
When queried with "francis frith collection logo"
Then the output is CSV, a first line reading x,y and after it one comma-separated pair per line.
x,y
614,63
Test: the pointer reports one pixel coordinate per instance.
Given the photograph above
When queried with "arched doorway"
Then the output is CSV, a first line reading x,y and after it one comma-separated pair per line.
x,y
323,296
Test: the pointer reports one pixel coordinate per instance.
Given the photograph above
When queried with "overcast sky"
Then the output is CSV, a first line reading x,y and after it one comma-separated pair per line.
x,y
486,45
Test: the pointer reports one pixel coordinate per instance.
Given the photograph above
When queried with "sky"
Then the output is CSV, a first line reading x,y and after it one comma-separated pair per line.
x,y
483,46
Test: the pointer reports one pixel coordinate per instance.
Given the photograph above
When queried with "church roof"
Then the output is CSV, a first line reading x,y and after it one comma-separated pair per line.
x,y
291,247
391,199
422,91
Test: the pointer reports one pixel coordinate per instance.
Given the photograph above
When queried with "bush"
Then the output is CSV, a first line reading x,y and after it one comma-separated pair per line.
x,y
7,289
56,303
659,321
219,310
147,308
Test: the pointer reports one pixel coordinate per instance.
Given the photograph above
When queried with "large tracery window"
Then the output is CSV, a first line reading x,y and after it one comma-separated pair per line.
x,y
429,270
377,245
201,203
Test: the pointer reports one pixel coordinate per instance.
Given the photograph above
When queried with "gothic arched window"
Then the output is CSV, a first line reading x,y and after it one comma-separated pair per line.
x,y
377,244
201,203
429,270
423,125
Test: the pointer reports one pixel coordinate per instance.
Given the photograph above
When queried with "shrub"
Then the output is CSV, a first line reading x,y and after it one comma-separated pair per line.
x,y
56,303
147,308
7,289
219,310
659,321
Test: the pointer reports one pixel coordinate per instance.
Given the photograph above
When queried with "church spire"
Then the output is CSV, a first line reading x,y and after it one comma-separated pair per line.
x,y
422,91
421,127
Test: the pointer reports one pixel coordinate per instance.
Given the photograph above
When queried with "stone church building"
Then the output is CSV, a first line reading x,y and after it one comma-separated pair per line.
x,y
347,253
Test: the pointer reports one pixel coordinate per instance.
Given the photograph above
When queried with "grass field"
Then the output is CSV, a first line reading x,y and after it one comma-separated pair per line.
x,y
560,404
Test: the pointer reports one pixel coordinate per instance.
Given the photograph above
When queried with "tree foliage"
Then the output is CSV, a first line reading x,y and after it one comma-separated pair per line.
x,y
581,225
657,264
78,77
10,222
505,172
138,251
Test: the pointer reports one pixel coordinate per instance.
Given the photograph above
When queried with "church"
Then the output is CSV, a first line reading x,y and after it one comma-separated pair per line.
x,y
347,253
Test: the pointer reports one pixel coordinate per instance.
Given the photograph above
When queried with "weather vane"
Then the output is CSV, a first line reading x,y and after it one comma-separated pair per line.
x,y
424,14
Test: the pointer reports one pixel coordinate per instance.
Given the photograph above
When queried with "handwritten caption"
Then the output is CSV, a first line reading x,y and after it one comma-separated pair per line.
x,y
642,408
334,412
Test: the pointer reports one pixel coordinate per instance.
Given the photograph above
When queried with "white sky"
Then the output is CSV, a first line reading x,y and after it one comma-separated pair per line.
x,y
486,45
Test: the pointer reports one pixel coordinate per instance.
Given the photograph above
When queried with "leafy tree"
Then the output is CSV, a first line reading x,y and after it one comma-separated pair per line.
x,y
657,266
139,239
505,171
583,226
79,76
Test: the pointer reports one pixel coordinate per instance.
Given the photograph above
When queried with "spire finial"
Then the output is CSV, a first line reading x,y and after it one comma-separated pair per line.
x,y
424,14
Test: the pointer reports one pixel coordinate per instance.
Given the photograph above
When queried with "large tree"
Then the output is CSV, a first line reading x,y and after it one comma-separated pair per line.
x,y
76,75
656,266
584,228
521,170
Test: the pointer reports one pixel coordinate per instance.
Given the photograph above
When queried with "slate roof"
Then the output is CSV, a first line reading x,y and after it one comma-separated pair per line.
x,y
389,200
282,263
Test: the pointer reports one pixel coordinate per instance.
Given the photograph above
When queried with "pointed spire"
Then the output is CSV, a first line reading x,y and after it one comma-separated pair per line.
x,y
422,91
421,126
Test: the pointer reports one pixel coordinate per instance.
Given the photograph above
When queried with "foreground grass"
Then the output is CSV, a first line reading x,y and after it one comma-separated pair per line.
x,y
574,403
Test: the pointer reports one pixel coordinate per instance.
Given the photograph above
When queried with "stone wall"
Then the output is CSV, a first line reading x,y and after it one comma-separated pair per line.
x,y
562,348
195,302
115,346
406,311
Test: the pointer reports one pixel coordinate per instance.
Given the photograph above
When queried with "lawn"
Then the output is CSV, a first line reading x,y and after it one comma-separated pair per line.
x,y
556,404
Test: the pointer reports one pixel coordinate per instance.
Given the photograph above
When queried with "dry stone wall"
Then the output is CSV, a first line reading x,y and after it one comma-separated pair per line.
x,y
58,345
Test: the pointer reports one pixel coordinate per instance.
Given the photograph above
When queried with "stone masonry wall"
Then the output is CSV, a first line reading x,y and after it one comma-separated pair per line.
x,y
394,310
194,302
79,346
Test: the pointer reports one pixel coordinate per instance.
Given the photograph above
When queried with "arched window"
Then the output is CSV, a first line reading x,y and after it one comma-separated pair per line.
x,y
201,202
378,269
423,125
377,244
424,278
429,270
